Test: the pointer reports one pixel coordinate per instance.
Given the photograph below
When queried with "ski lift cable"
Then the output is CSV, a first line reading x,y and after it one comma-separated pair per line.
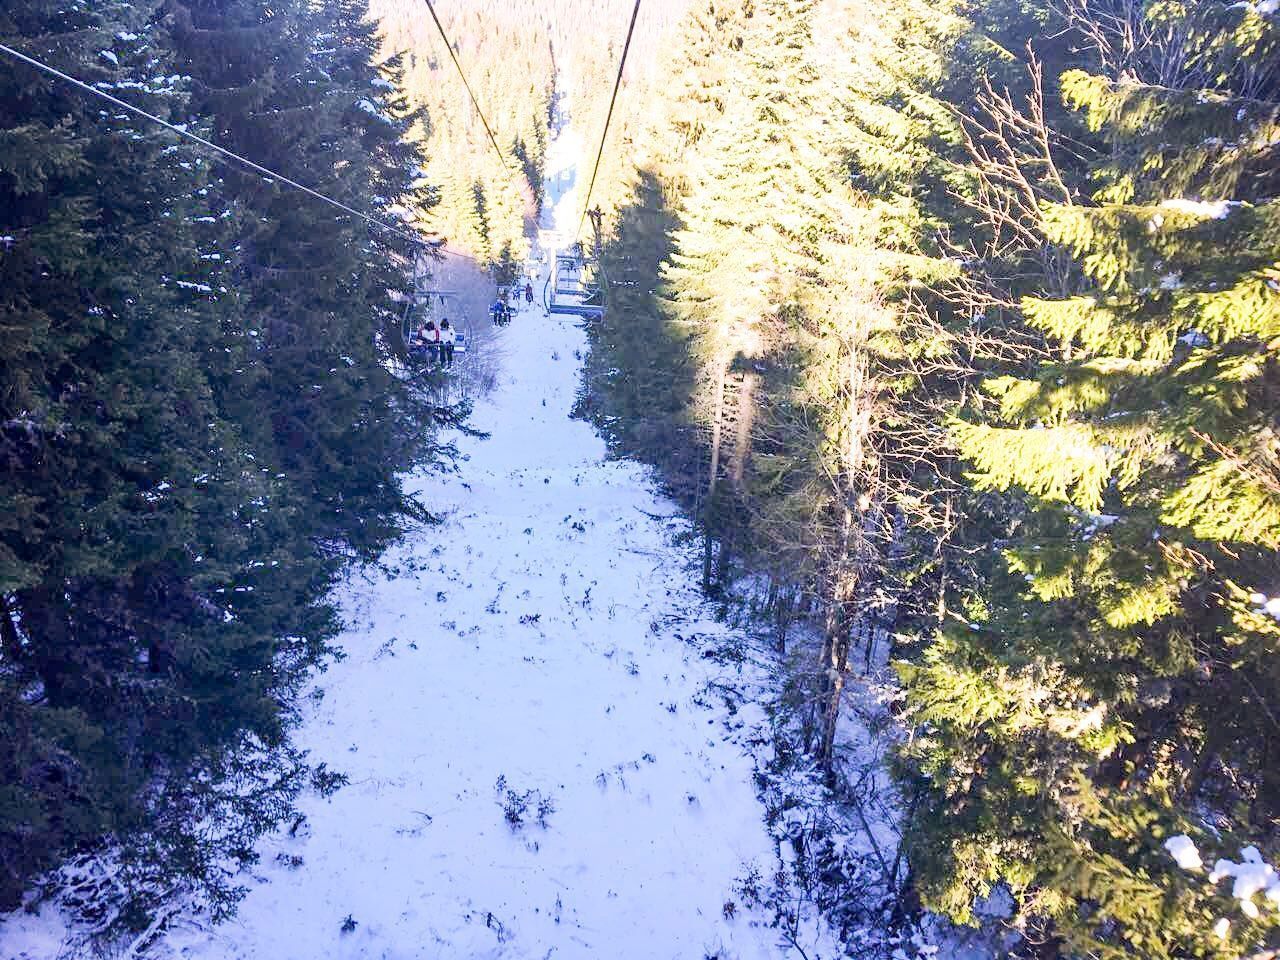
x,y
474,102
617,83
245,161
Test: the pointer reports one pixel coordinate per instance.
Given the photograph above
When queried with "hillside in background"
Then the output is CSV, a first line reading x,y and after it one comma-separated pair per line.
x,y
519,59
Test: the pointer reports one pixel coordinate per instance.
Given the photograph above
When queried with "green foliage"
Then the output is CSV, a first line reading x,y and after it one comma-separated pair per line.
x,y
506,52
1003,332
197,427
1141,448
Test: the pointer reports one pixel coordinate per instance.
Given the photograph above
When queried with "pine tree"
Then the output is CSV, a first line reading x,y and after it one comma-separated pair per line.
x,y
199,430
314,286
641,371
1111,689
119,468
507,59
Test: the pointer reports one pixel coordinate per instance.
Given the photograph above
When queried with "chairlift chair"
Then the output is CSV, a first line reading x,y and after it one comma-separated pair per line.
x,y
571,289
437,305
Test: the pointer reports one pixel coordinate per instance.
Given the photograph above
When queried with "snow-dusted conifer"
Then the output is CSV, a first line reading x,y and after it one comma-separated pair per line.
x,y
1114,684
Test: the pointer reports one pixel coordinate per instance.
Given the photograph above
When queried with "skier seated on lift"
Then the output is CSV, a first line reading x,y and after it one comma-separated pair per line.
x,y
528,292
426,343
447,340
499,312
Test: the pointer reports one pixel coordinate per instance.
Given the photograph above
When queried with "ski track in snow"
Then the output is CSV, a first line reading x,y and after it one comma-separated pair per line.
x,y
655,814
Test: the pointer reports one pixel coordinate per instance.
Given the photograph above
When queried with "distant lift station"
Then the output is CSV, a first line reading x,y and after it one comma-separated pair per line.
x,y
572,288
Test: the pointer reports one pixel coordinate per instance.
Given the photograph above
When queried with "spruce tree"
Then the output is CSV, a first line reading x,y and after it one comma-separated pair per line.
x,y
1111,687
199,429
120,669
506,55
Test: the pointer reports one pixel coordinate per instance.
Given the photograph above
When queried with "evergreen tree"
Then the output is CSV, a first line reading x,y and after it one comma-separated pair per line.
x,y
1112,688
313,288
120,669
506,54
782,293
198,427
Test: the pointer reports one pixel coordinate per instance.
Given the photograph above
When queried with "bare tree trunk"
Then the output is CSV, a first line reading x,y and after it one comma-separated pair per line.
x,y
10,642
734,415
805,605
852,556
835,660
737,410
713,474
745,416
883,617
782,615
728,541
44,621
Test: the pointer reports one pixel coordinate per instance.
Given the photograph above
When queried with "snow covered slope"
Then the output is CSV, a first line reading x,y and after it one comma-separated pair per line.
x,y
541,648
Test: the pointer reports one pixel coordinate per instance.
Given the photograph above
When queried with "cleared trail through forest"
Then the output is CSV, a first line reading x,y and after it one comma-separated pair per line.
x,y
540,764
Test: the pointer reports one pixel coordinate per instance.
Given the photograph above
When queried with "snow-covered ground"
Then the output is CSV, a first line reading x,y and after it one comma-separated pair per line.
x,y
541,648
538,766
536,645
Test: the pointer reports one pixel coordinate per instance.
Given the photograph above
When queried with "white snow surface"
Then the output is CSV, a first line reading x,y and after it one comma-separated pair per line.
x,y
1205,209
550,634
1251,875
1183,850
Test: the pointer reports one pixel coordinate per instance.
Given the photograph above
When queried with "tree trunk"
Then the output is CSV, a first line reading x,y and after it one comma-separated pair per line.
x,y
713,474
10,642
728,542
745,416
851,553
782,615
44,621
735,409
836,637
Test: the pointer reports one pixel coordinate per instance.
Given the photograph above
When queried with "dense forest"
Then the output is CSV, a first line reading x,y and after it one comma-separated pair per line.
x,y
485,189
518,59
953,328
199,428
957,327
